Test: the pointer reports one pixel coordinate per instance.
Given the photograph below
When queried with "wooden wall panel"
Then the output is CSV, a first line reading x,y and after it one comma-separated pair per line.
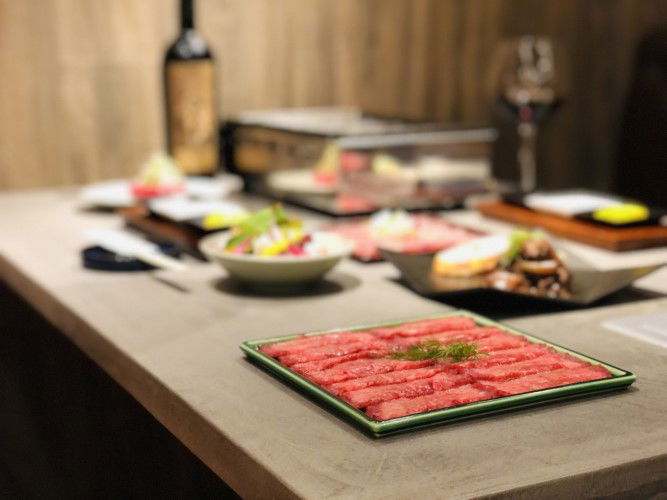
x,y
81,97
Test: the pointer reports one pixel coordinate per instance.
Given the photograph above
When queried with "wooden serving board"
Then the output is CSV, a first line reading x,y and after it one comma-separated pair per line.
x,y
609,238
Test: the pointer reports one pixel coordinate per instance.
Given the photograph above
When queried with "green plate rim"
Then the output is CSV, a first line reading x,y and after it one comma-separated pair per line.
x,y
620,379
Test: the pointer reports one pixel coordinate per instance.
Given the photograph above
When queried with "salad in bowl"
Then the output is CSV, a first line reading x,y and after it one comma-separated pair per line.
x,y
270,248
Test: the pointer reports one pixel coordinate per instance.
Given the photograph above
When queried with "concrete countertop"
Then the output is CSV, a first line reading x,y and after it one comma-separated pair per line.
x,y
172,341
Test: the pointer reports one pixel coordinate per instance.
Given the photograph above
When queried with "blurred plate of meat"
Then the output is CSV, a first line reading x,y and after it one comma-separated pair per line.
x,y
411,233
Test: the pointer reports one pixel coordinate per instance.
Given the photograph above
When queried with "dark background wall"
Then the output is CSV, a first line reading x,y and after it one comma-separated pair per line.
x,y
81,99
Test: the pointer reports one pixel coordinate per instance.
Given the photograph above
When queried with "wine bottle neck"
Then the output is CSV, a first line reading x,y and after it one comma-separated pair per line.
x,y
187,15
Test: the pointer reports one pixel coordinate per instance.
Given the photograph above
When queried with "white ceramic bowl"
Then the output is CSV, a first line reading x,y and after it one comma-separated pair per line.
x,y
284,270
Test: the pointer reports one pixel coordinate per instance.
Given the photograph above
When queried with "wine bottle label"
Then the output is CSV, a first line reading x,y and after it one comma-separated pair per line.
x,y
191,115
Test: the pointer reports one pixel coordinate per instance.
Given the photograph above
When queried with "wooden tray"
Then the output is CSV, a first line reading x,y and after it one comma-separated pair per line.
x,y
609,238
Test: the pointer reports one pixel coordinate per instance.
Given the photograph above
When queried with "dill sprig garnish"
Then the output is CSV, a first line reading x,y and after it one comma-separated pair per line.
x,y
432,349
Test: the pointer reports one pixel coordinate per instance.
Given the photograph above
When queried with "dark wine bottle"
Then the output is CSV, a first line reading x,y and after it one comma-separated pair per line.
x,y
189,83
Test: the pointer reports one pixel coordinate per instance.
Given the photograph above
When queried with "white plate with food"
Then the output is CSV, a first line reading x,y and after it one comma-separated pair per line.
x,y
159,177
523,264
269,249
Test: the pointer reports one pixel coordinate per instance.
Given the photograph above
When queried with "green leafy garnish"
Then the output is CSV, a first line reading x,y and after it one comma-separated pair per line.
x,y
258,223
432,349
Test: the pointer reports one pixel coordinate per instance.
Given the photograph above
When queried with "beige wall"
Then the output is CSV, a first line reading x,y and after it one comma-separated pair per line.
x,y
80,96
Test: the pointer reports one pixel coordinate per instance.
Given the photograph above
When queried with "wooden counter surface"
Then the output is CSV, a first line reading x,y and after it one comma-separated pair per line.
x,y
172,341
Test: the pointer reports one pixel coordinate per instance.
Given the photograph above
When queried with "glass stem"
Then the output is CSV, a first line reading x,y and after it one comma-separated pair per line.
x,y
526,155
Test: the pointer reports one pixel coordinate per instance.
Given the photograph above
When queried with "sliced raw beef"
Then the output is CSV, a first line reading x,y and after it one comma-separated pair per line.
x,y
358,231
500,342
503,357
394,377
304,343
331,351
409,406
521,369
356,367
373,395
363,368
425,327
431,234
572,362
324,364
538,381
471,335
445,381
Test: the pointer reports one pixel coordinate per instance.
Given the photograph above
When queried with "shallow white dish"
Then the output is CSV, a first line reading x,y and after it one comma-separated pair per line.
x,y
278,271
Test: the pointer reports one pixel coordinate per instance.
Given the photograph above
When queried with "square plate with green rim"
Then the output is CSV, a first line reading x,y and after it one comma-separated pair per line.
x,y
620,379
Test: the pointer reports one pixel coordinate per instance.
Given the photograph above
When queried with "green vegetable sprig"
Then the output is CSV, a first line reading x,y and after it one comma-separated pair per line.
x,y
432,349
258,223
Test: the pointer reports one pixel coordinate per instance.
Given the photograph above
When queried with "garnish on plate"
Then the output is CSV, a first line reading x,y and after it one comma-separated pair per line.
x,y
437,351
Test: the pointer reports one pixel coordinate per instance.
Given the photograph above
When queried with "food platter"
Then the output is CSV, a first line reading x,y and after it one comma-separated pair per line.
x,y
427,232
616,379
588,284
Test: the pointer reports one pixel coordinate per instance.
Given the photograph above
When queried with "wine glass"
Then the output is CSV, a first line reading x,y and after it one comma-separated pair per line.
x,y
524,85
